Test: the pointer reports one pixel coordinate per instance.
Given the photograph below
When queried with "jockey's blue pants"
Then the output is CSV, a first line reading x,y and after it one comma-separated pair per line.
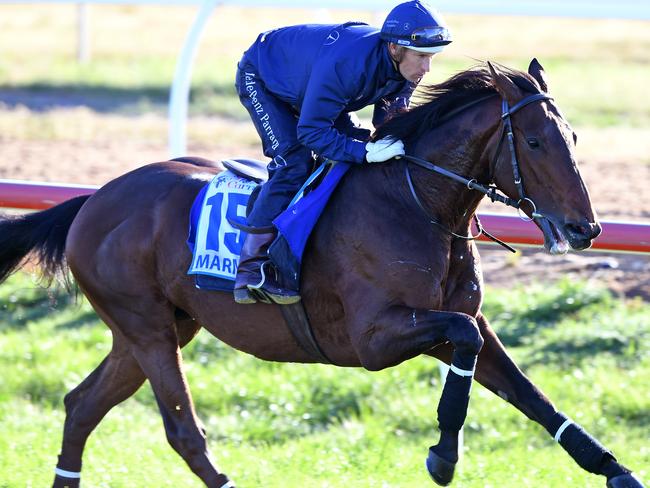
x,y
276,122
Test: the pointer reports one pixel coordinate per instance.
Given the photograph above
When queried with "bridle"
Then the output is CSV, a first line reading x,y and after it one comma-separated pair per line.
x,y
490,191
507,132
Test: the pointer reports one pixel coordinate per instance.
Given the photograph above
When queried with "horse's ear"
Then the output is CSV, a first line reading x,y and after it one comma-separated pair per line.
x,y
504,85
537,71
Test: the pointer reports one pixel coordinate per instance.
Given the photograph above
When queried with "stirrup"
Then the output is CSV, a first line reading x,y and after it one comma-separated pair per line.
x,y
280,295
266,296
244,296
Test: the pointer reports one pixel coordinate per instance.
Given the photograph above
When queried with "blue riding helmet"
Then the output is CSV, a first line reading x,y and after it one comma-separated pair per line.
x,y
416,26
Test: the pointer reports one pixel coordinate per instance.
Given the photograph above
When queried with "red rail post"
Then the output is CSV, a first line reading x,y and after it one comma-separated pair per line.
x,y
32,195
616,236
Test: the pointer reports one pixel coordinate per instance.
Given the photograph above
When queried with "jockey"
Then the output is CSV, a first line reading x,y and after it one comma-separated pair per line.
x,y
300,85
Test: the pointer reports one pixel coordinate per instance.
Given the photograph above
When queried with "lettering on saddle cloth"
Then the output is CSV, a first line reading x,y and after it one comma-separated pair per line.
x,y
216,244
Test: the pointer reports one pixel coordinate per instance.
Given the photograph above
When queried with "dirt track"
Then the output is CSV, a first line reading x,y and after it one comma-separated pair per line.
x,y
618,189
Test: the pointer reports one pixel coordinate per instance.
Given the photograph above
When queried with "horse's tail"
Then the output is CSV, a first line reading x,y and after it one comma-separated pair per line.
x,y
43,233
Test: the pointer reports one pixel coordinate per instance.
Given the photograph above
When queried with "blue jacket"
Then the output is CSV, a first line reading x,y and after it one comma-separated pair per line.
x,y
325,72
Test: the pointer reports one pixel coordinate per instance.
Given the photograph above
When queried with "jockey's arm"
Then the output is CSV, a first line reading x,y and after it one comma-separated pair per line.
x,y
326,98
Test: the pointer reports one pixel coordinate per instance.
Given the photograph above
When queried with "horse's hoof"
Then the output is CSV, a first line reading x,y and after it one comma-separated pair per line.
x,y
440,470
624,481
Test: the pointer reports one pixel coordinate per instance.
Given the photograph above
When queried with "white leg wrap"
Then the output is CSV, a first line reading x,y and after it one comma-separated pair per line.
x,y
229,484
461,372
562,428
66,474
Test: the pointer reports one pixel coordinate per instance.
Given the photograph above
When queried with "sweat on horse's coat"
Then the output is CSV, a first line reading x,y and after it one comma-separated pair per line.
x,y
373,269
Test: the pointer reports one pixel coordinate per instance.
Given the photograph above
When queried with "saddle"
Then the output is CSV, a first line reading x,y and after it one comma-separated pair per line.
x,y
252,169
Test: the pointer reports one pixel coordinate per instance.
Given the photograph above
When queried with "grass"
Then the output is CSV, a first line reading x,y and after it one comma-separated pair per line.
x,y
597,71
598,68
288,425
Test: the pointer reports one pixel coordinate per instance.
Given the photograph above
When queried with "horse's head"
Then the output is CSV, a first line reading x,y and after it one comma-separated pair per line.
x,y
542,150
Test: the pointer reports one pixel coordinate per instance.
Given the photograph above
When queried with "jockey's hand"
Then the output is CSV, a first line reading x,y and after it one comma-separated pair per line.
x,y
384,149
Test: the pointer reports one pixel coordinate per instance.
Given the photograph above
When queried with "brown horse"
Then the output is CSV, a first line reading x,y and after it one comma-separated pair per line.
x,y
387,275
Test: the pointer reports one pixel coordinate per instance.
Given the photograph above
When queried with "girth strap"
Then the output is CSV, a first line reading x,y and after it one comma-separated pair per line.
x,y
298,323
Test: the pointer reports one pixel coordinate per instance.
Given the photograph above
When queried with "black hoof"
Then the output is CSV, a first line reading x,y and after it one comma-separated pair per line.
x,y
440,470
624,481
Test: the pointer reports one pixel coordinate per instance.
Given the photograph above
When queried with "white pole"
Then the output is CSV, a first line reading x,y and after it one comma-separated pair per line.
x,y
180,90
83,52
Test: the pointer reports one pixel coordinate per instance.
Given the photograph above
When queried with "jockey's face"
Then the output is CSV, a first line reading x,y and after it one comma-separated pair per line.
x,y
413,65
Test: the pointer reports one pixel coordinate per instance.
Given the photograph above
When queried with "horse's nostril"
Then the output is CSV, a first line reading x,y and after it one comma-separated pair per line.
x,y
576,229
596,229
587,230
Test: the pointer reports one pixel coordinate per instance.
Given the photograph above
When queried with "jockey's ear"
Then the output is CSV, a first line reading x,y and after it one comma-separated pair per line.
x,y
396,52
537,71
506,88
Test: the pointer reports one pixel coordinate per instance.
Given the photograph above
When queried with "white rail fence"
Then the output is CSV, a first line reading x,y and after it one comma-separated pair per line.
x,y
180,89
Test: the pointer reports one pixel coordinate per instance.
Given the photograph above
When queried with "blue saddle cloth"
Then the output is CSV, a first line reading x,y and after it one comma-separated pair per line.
x,y
294,225
214,241
298,220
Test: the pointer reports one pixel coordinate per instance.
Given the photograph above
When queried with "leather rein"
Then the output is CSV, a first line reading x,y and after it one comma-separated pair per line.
x,y
490,191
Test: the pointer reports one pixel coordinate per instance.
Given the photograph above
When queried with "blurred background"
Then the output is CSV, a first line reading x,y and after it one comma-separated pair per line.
x,y
578,324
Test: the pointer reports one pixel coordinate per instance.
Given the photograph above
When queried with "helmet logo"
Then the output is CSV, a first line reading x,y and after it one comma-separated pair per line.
x,y
407,26
332,38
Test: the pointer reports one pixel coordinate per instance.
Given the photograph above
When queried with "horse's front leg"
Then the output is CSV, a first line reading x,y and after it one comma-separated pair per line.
x,y
400,333
498,372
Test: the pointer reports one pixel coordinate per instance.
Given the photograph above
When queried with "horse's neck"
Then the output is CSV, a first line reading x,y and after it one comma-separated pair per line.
x,y
451,203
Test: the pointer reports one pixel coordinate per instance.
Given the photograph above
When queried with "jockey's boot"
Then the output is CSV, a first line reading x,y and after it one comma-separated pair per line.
x,y
249,271
256,278
269,287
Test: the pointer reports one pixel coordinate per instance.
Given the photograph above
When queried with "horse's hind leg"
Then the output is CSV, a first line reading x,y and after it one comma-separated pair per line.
x,y
497,372
114,380
155,344
117,378
162,364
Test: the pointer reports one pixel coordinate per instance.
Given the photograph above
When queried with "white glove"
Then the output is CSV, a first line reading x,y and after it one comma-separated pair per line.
x,y
384,149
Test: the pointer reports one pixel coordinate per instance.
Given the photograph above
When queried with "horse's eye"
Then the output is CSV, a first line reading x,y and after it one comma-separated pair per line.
x,y
533,143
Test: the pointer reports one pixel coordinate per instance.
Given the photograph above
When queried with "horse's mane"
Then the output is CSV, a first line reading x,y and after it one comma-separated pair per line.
x,y
433,102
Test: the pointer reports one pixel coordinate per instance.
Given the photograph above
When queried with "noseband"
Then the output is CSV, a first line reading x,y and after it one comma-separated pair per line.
x,y
490,190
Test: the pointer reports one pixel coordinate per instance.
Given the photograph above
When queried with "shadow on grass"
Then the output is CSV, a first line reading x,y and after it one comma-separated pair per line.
x,y
44,97
519,327
27,305
573,352
32,304
87,318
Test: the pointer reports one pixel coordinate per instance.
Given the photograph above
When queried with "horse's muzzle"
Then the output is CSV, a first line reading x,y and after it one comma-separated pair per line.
x,y
559,238
581,235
